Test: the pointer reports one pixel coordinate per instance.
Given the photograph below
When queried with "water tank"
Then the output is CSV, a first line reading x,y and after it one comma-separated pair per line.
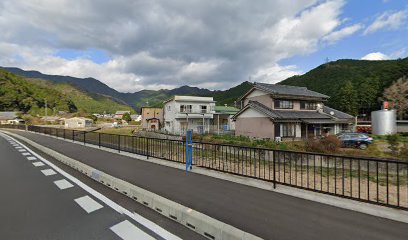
x,y
384,122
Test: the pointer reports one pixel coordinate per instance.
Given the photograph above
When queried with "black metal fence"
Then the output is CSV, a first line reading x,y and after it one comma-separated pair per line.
x,y
374,180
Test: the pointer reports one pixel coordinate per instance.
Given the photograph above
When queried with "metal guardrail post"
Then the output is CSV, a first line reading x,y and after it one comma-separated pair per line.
x,y
147,146
99,140
64,133
274,169
73,135
118,143
84,138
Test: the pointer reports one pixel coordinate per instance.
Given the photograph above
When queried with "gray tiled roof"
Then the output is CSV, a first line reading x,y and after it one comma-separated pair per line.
x,y
336,113
8,115
288,90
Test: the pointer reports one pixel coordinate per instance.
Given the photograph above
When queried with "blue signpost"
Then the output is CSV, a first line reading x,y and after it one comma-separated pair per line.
x,y
189,149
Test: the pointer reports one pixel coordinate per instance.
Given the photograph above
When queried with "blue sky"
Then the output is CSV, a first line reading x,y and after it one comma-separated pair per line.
x,y
393,43
155,44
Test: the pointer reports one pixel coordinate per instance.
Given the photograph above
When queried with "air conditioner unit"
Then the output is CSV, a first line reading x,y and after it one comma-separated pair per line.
x,y
278,139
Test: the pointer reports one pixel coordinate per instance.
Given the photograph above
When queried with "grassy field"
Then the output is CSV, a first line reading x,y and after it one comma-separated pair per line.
x,y
122,130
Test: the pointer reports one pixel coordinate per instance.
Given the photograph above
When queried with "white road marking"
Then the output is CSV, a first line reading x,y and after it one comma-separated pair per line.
x,y
25,154
18,147
31,158
136,217
128,231
48,172
88,204
22,150
63,184
38,164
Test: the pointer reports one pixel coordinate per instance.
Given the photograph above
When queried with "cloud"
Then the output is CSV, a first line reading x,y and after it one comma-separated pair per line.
x,y
342,33
388,20
154,44
375,56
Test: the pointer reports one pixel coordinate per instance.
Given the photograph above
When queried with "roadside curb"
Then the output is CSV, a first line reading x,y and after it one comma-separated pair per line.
x,y
196,221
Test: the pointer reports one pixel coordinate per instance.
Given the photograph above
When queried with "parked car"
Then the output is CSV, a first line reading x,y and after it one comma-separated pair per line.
x,y
357,140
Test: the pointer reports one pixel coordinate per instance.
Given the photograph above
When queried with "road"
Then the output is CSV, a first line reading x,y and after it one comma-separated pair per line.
x,y
41,201
267,214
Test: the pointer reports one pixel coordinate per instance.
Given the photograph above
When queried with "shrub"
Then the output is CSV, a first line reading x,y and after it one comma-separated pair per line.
x,y
329,144
404,152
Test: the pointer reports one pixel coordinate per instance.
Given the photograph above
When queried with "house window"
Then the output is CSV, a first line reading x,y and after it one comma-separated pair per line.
x,y
185,108
169,108
283,104
203,108
288,129
308,105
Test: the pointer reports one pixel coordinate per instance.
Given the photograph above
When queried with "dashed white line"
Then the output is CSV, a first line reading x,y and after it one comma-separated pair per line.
x,y
128,231
63,184
25,154
18,147
38,164
22,150
48,172
88,204
31,158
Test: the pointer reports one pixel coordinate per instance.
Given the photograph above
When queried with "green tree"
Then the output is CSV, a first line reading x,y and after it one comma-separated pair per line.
x,y
368,94
397,93
346,99
127,117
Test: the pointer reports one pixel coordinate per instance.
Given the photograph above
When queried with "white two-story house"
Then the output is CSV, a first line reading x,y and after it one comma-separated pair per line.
x,y
188,112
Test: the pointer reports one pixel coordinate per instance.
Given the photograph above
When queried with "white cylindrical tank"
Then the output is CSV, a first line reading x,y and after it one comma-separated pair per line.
x,y
384,122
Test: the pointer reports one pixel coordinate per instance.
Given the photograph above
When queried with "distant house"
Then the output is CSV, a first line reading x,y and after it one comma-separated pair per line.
x,y
188,112
287,112
5,117
136,117
78,122
152,118
223,120
119,114
16,121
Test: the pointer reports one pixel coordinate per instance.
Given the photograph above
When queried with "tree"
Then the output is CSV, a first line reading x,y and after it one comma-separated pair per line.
x,y
346,99
397,94
126,117
368,94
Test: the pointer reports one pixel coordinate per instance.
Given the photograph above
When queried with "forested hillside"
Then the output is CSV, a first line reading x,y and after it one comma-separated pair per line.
x,y
353,85
30,95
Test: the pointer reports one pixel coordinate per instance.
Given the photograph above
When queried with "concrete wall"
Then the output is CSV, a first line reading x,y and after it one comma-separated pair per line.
x,y
257,127
148,113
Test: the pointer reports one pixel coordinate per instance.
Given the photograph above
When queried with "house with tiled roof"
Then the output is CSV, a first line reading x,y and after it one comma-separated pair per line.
x,y
272,111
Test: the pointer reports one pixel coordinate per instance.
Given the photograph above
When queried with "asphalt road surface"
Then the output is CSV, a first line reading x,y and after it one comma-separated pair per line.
x,y
267,214
39,202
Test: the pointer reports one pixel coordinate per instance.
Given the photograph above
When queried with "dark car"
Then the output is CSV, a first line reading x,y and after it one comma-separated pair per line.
x,y
357,140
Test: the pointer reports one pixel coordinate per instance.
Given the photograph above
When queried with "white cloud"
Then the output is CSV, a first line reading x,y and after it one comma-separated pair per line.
x,y
157,43
389,21
375,56
342,33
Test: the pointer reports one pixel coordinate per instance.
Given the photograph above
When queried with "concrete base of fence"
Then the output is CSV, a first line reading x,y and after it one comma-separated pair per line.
x,y
196,221
367,208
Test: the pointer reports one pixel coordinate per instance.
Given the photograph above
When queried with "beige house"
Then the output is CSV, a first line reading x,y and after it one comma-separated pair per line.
x,y
78,122
8,117
272,111
152,118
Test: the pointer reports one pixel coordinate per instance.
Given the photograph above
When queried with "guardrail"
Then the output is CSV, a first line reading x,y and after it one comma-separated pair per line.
x,y
373,180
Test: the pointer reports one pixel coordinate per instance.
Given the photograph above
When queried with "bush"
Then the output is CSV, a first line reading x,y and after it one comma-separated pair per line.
x,y
404,152
329,144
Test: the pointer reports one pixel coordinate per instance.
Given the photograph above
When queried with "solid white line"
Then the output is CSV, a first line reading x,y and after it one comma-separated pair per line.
x,y
38,164
128,231
138,218
25,154
48,172
88,204
63,184
31,158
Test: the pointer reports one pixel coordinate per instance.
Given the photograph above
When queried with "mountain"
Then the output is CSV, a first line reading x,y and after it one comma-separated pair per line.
x,y
140,98
29,94
368,79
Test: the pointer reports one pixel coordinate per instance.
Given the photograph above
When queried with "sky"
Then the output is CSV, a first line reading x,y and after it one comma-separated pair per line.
x,y
132,45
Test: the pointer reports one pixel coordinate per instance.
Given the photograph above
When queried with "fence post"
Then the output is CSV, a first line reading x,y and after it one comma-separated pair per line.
x,y
64,133
118,143
99,140
147,146
73,135
274,168
84,138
